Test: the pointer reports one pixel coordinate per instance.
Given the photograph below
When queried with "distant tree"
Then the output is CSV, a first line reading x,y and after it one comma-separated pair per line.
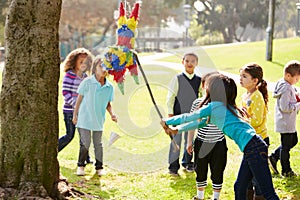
x,y
226,16
87,17
28,103
3,11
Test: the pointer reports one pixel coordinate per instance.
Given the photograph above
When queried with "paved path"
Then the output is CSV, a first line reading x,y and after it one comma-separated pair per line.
x,y
153,59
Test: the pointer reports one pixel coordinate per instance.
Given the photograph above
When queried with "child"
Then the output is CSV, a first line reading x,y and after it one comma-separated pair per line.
x,y
210,150
221,110
184,89
77,63
95,95
254,103
285,117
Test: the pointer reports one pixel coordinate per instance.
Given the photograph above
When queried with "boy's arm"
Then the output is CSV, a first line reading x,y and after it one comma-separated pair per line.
x,y
173,90
110,111
189,145
285,102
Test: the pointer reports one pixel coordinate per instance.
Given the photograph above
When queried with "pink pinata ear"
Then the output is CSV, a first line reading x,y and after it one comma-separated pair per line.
x,y
121,10
135,11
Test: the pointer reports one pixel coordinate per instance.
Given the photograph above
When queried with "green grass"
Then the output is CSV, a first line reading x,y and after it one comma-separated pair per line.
x,y
137,162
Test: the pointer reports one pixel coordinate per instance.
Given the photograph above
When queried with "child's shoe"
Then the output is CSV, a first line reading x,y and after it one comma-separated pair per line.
x,y
100,172
196,198
80,171
273,164
289,174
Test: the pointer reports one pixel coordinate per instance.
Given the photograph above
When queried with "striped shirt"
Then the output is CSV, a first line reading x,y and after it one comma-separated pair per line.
x,y
209,133
69,90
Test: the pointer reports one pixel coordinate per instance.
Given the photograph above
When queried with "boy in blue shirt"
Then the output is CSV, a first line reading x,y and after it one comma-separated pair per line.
x,y
95,95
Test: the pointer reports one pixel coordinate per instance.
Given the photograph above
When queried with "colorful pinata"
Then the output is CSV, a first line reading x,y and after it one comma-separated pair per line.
x,y
120,58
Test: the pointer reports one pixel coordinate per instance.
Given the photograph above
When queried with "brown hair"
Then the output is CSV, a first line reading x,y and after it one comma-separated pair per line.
x,y
70,61
256,71
292,67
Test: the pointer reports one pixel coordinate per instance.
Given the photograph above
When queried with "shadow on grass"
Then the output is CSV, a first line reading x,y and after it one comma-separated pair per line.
x,y
278,64
184,183
90,184
287,188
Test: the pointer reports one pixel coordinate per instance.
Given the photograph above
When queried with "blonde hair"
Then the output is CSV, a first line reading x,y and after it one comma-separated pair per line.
x,y
96,62
70,61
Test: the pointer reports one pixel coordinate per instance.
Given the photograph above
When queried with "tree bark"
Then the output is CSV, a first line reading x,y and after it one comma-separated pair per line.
x,y
29,96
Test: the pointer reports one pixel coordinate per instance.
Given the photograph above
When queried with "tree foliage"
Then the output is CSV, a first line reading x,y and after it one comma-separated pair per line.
x,y
90,17
226,16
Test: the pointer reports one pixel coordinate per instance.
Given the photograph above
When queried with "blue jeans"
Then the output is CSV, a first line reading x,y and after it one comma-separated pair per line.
x,y
70,131
288,141
255,165
174,156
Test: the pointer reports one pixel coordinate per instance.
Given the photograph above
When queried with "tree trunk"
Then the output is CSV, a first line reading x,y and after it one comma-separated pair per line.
x,y
29,116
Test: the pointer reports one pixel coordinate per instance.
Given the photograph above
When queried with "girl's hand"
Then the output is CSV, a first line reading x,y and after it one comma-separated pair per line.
x,y
171,131
163,124
189,148
114,118
74,120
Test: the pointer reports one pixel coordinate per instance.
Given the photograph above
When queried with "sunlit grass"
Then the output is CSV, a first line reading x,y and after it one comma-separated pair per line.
x,y
136,163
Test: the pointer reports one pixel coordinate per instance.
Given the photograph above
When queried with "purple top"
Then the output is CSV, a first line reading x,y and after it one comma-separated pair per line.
x,y
70,85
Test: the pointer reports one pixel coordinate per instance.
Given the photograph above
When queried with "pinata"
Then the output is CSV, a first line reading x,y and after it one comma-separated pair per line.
x,y
119,58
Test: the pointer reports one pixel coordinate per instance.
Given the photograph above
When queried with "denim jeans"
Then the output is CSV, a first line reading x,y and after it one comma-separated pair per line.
x,y
174,156
254,183
70,131
255,165
288,141
85,142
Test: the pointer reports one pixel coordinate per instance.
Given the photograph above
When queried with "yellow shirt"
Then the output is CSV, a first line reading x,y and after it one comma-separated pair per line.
x,y
257,110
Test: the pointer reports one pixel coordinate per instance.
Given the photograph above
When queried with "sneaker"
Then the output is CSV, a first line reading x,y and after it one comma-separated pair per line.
x,y
189,168
196,198
273,164
289,174
100,172
80,171
173,173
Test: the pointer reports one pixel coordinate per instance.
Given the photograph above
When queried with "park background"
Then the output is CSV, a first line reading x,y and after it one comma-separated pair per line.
x,y
137,162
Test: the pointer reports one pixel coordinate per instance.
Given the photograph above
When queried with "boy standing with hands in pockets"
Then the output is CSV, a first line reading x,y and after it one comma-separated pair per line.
x,y
184,89
286,110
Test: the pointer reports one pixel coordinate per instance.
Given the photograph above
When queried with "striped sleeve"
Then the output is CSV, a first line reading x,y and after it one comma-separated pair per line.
x,y
210,133
69,89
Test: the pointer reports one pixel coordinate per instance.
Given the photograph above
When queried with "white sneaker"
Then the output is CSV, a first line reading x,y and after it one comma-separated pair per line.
x,y
100,172
80,171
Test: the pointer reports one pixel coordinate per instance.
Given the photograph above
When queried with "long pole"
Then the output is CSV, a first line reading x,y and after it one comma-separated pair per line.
x,y
298,19
176,147
270,30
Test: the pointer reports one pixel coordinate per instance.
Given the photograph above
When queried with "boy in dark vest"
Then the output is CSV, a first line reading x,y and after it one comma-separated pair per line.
x,y
184,89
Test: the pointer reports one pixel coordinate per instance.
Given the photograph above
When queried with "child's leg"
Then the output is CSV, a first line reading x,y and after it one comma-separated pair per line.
x,y
288,141
70,132
98,148
256,155
187,158
85,142
243,179
218,162
174,154
201,169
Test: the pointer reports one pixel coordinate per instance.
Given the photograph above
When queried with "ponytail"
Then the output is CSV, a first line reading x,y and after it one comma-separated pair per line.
x,y
262,87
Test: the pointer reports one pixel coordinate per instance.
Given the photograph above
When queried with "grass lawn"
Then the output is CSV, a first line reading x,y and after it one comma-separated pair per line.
x,y
136,164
